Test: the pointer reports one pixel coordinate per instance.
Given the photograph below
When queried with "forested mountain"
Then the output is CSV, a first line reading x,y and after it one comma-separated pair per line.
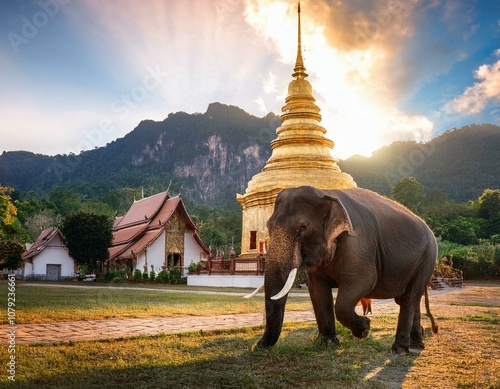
x,y
207,157
461,163
210,157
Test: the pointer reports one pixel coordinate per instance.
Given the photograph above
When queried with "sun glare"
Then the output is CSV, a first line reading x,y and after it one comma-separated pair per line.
x,y
357,112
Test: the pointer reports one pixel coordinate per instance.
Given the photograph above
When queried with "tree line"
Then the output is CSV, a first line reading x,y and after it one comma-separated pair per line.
x,y
468,232
87,223
461,223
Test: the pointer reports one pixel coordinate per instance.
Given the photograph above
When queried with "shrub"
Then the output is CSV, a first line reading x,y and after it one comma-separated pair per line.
x,y
495,239
192,268
137,275
496,261
152,275
455,251
116,276
84,270
482,260
175,276
145,276
443,268
162,276
462,230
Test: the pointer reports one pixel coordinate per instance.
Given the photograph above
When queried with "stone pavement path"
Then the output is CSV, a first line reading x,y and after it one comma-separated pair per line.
x,y
122,328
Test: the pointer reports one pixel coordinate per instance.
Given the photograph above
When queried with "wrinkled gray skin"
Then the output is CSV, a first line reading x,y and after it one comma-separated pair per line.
x,y
357,241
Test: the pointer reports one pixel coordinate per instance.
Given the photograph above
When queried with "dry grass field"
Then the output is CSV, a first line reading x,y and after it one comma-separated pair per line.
x,y
466,351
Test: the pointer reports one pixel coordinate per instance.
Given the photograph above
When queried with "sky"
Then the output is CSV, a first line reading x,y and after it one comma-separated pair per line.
x,y
78,74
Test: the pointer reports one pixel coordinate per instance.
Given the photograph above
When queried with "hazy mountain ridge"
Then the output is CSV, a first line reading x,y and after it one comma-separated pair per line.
x,y
461,162
209,157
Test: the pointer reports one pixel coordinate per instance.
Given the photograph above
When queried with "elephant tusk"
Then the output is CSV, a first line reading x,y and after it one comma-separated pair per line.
x,y
288,285
260,289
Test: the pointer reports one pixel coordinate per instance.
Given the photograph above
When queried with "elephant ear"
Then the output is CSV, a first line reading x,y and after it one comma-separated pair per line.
x,y
337,221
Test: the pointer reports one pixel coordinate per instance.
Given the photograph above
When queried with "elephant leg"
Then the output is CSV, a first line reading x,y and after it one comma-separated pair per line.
x,y
346,314
417,331
320,292
407,328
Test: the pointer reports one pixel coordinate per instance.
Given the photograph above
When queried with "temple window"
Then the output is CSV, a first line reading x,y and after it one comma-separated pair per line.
x,y
253,240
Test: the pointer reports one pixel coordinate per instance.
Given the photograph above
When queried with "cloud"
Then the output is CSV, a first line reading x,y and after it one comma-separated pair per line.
x,y
206,48
404,126
366,61
270,83
360,24
48,130
476,97
358,80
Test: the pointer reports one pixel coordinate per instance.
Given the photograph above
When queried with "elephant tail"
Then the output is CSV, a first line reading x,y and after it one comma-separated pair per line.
x,y
435,327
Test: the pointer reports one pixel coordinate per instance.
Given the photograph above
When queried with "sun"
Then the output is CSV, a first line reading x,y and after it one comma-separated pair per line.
x,y
359,111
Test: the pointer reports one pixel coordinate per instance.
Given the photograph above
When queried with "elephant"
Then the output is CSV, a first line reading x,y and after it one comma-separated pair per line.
x,y
365,245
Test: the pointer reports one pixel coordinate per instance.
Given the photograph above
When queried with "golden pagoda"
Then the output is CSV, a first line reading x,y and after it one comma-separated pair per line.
x,y
301,155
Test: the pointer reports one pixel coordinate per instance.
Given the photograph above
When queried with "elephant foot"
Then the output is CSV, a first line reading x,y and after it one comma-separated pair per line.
x,y
418,344
361,327
401,345
328,340
260,345
399,350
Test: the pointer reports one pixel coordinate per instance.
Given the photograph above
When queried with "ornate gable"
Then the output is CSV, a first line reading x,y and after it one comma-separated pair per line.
x,y
175,223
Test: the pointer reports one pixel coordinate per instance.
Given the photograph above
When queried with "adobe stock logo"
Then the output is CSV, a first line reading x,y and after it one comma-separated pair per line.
x,y
123,106
31,27
376,22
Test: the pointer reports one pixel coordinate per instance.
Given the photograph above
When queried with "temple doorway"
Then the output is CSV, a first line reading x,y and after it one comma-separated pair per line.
x,y
174,260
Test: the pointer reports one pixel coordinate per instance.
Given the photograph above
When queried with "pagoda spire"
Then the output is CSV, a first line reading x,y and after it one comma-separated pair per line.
x,y
300,69
300,155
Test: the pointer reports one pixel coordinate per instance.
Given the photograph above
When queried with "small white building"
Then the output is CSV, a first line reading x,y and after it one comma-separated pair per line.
x,y
48,258
155,233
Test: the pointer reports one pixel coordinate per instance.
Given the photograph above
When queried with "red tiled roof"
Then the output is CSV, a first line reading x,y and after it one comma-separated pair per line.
x,y
41,242
116,250
166,211
143,210
124,235
144,222
140,244
117,221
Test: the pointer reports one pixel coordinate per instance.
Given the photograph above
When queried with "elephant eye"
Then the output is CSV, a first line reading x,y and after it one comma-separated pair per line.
x,y
302,227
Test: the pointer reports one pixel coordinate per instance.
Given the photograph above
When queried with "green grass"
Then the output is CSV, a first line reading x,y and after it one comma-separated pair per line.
x,y
147,285
477,304
43,304
484,318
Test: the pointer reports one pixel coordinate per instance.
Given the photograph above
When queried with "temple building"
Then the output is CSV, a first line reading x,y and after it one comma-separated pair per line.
x,y
156,233
301,155
48,258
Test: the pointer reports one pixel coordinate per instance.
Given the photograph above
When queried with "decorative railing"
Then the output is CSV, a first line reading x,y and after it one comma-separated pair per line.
x,y
455,279
446,274
233,266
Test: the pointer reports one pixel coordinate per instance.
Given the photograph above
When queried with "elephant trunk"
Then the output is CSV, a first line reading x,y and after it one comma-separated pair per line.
x,y
279,277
